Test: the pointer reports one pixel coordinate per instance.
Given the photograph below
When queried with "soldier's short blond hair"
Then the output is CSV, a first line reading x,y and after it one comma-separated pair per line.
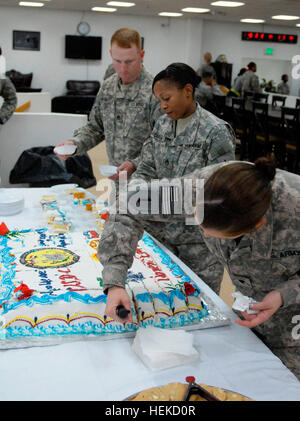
x,y
125,37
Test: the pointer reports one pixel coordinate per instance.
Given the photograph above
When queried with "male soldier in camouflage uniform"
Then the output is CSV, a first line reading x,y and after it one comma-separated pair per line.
x,y
264,261
109,71
207,67
125,109
8,92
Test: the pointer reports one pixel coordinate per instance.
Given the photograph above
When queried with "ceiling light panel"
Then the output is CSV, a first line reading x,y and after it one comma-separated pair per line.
x,y
252,20
120,4
195,10
30,4
285,17
227,3
170,14
103,9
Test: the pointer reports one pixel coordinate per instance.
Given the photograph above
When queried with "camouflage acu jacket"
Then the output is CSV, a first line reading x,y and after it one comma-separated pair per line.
x,y
206,140
269,258
123,116
8,92
250,82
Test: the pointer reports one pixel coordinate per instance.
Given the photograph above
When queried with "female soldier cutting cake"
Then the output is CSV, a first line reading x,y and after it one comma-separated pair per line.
x,y
252,224
186,138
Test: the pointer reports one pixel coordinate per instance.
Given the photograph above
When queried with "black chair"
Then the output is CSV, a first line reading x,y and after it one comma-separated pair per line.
x,y
260,97
265,140
78,99
298,103
278,101
240,124
72,104
219,103
290,121
248,95
21,81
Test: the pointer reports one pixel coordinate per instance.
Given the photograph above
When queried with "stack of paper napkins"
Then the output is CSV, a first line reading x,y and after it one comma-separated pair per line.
x,y
162,348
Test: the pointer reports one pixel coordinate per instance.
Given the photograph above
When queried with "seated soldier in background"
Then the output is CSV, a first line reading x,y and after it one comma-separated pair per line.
x,y
284,87
207,89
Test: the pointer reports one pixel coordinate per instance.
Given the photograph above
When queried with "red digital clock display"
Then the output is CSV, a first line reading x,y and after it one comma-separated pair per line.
x,y
269,37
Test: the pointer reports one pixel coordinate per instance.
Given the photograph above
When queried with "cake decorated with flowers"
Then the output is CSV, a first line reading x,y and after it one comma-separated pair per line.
x,y
51,289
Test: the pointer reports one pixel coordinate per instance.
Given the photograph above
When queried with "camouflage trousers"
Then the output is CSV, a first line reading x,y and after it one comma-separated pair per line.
x,y
194,254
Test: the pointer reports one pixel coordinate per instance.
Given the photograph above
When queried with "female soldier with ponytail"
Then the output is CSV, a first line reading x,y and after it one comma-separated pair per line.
x,y
251,224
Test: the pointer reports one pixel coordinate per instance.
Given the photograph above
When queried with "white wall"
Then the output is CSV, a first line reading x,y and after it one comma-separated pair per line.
x,y
225,38
27,130
270,69
166,41
40,102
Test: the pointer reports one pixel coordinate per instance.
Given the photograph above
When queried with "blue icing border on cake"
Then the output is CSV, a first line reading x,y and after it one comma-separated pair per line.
x,y
89,327
86,328
47,299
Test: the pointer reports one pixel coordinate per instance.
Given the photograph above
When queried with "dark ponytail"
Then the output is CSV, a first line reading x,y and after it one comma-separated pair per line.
x,y
266,167
179,74
237,196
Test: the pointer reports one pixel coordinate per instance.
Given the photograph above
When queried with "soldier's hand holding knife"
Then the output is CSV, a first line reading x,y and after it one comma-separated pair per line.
x,y
117,303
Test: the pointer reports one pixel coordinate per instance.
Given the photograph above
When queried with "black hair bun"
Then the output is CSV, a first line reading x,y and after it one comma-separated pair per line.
x,y
266,167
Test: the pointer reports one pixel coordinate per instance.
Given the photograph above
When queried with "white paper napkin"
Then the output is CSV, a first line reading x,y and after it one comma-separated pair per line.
x,y
242,303
162,348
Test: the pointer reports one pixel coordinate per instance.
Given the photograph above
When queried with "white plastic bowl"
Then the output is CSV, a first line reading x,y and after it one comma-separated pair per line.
x,y
108,170
65,149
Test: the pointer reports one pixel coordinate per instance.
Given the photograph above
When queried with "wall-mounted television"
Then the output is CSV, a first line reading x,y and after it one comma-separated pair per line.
x,y
83,47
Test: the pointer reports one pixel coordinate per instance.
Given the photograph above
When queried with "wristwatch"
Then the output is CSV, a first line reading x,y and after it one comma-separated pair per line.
x,y
83,28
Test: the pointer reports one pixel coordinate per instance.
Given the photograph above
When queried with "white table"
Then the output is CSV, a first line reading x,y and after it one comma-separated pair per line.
x,y
108,370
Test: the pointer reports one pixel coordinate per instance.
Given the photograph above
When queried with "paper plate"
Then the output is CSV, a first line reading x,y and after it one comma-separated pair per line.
x,y
11,204
63,187
65,149
108,170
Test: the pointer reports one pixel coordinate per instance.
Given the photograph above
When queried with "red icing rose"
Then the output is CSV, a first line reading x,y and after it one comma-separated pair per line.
x,y
188,288
24,291
105,215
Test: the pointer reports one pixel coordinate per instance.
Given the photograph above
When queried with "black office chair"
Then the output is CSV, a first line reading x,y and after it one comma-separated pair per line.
x,y
265,140
298,103
260,97
219,102
240,125
278,101
290,121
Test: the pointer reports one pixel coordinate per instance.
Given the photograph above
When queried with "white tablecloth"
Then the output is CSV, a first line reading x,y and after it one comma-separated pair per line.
x,y
108,370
